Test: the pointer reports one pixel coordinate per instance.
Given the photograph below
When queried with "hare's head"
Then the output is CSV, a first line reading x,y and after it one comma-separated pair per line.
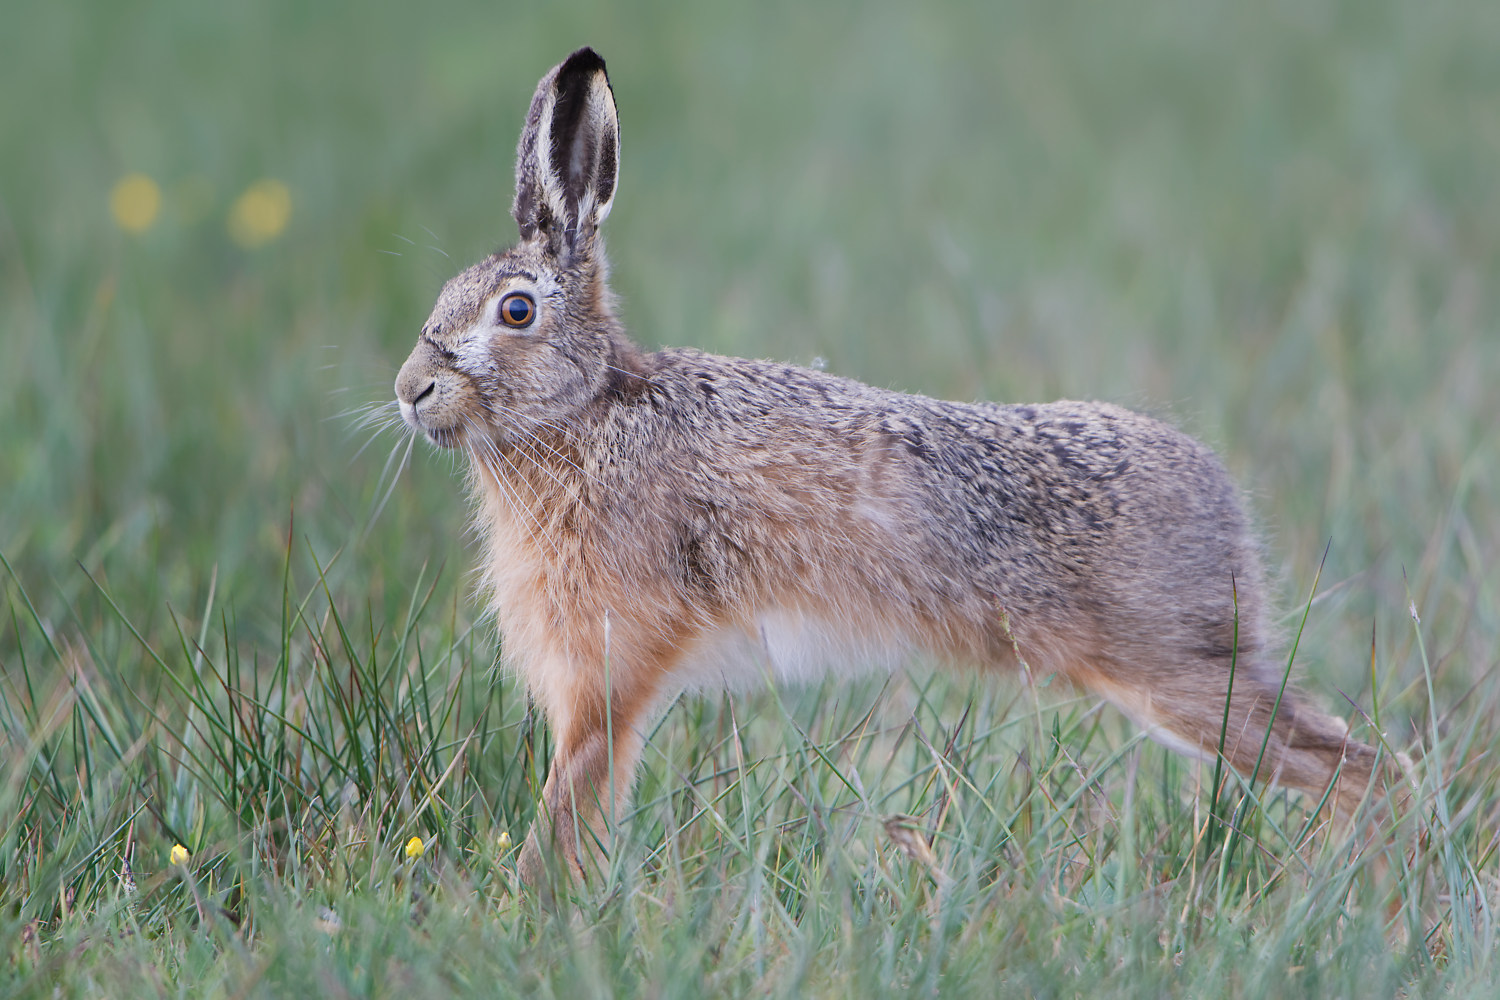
x,y
523,339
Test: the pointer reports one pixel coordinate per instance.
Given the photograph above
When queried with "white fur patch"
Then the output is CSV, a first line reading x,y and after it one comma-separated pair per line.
x,y
789,645
471,348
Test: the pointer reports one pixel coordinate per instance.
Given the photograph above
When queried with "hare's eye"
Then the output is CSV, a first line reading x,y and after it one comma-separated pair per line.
x,y
517,309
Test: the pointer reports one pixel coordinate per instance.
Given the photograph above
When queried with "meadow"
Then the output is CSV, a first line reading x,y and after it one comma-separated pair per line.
x,y
239,618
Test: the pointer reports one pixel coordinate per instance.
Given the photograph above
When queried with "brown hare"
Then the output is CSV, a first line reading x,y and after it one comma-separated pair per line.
x,y
659,521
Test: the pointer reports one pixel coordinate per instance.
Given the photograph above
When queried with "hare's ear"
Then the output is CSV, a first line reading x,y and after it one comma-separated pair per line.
x,y
568,157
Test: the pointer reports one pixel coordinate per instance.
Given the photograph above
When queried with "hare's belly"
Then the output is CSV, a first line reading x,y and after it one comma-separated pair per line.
x,y
792,645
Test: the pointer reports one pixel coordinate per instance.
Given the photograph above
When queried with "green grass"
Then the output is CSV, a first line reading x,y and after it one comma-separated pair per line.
x,y
1277,224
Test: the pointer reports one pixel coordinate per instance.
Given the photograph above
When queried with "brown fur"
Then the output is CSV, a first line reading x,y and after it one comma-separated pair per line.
x,y
654,518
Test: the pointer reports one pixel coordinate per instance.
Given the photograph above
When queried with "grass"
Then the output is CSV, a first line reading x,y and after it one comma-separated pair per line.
x,y
224,625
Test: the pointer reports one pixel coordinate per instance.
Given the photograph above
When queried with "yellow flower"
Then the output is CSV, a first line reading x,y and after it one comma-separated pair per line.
x,y
179,854
503,842
415,848
134,202
260,214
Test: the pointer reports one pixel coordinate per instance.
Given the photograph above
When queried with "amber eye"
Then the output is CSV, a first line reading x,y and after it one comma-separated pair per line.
x,y
517,309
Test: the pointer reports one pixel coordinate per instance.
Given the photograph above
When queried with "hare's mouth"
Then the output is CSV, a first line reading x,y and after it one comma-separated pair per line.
x,y
441,437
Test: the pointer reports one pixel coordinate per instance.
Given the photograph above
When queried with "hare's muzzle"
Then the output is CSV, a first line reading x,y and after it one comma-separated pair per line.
x,y
429,394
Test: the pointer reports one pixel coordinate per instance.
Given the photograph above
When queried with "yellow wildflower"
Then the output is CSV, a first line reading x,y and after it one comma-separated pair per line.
x,y
179,854
134,202
260,214
415,848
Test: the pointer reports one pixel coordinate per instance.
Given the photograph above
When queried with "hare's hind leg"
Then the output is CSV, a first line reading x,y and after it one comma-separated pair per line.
x,y
1185,709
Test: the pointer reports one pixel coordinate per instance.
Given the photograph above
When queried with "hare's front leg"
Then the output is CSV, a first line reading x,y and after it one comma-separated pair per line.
x,y
599,743
582,798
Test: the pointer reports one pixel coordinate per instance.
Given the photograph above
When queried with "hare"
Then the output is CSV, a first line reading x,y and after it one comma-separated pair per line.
x,y
654,522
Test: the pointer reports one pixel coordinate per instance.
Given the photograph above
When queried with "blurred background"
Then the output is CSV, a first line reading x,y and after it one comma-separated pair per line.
x,y
1276,224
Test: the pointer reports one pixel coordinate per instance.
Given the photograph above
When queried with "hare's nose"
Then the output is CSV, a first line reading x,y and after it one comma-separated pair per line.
x,y
415,382
412,391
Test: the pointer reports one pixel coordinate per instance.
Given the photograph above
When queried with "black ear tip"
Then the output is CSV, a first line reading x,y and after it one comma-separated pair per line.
x,y
585,60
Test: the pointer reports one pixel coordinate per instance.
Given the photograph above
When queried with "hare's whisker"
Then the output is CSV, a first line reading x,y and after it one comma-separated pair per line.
x,y
518,509
557,453
375,436
411,441
625,371
434,236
